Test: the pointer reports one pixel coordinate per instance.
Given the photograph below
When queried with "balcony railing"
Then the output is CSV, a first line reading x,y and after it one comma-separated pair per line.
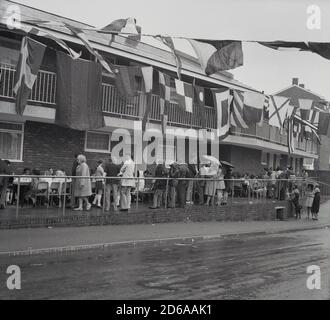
x,y
135,108
44,92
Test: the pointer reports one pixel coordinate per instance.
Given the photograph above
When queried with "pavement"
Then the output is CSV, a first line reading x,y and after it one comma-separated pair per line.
x,y
38,241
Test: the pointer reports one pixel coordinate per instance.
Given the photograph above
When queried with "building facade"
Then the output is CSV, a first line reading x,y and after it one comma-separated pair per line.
x,y
35,140
298,91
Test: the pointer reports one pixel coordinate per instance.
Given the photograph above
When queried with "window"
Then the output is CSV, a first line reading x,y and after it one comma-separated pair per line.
x,y
264,158
97,142
11,141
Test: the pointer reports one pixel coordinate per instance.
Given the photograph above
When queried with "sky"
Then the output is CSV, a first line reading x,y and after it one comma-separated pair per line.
x,y
264,69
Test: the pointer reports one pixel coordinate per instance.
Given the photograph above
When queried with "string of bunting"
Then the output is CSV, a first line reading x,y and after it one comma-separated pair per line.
x,y
234,107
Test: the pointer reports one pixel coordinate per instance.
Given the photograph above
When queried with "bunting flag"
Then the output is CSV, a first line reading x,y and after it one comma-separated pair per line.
x,y
222,101
199,99
79,84
291,142
30,59
305,106
278,107
324,123
126,79
313,128
40,33
81,35
184,95
164,97
236,111
168,41
147,111
126,27
320,48
253,107
164,90
219,55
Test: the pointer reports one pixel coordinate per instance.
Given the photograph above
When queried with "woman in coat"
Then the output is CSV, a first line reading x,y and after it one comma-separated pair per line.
x,y
83,187
316,203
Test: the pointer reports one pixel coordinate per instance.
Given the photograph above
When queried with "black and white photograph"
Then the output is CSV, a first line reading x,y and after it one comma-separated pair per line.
x,y
168,151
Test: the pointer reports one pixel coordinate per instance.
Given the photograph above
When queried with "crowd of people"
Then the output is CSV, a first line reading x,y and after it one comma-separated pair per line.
x,y
177,184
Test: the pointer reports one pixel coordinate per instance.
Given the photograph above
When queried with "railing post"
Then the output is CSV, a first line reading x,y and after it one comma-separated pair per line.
x,y
64,196
18,196
137,193
104,195
166,192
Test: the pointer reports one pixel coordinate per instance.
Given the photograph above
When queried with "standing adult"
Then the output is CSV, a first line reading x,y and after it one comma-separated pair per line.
x,y
73,182
174,171
112,170
4,170
220,186
229,188
127,183
210,185
309,199
192,173
182,184
83,187
160,185
316,203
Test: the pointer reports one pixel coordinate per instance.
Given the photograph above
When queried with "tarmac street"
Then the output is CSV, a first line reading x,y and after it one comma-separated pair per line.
x,y
268,266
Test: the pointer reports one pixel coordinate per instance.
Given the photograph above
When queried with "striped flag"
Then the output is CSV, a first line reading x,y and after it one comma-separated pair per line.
x,y
30,59
222,99
236,111
278,108
184,95
81,35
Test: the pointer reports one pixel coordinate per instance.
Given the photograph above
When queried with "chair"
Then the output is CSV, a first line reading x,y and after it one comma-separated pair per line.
x,y
55,191
42,191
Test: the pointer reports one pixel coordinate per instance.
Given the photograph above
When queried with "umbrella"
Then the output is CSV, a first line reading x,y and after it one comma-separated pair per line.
x,y
211,159
225,163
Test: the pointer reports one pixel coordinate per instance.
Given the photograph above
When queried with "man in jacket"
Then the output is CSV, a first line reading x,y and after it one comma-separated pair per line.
x,y
127,183
112,170
160,185
183,172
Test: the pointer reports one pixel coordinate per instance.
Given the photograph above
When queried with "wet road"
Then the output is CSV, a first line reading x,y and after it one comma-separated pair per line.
x,y
245,267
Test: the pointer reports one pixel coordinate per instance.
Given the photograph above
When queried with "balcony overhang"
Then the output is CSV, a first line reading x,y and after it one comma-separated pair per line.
x,y
267,146
31,113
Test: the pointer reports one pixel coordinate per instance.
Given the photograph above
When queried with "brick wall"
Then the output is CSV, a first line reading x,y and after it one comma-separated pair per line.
x,y
239,212
51,146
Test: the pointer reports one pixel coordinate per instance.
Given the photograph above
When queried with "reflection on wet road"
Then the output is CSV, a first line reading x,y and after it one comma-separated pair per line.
x,y
244,267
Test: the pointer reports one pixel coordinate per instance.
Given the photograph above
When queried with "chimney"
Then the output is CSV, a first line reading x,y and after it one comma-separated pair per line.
x,y
302,85
295,81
